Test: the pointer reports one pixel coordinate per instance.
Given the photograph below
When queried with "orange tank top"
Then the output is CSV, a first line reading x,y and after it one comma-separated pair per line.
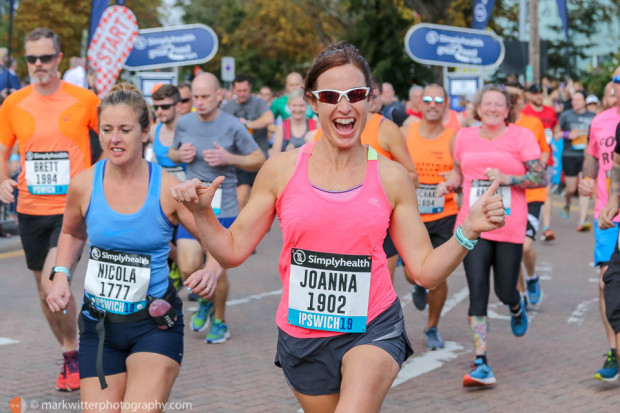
x,y
370,134
432,157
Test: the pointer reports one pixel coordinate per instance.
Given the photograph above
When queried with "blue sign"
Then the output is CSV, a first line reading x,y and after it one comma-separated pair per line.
x,y
172,46
434,44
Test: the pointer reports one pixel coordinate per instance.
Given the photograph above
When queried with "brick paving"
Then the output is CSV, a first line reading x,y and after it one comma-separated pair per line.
x,y
549,369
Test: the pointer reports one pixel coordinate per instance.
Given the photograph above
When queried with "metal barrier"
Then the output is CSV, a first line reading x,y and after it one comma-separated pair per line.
x,y
8,212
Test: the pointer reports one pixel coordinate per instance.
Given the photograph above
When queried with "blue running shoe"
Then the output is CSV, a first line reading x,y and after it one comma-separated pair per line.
x,y
609,371
433,339
534,292
219,332
565,213
518,322
419,297
481,375
203,317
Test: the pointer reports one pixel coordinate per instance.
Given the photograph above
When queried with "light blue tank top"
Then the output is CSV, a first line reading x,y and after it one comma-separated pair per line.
x,y
147,231
161,151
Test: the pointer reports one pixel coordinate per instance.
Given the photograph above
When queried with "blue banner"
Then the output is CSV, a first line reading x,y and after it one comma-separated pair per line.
x,y
96,11
563,17
482,12
172,46
434,44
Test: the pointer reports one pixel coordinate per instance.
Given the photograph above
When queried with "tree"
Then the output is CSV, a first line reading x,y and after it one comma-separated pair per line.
x,y
69,19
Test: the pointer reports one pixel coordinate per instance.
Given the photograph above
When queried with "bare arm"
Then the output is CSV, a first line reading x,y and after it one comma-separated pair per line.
x,y
6,184
72,238
609,211
263,121
429,267
278,138
392,141
232,246
535,176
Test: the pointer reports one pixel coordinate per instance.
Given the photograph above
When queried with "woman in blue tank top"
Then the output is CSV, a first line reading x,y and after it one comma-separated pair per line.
x,y
123,206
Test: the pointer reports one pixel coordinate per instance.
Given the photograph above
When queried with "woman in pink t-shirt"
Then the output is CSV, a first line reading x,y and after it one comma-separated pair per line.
x,y
500,152
341,337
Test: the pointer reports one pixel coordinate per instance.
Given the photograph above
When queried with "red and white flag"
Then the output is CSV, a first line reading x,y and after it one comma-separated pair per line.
x,y
114,39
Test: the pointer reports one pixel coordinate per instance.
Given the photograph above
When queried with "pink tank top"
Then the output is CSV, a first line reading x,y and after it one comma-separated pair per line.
x,y
334,273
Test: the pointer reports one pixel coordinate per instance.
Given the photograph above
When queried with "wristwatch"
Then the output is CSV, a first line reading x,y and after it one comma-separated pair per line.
x,y
61,269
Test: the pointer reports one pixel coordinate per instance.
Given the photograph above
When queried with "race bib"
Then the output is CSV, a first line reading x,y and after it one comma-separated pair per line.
x,y
176,171
47,173
581,141
428,203
479,187
329,291
216,202
117,281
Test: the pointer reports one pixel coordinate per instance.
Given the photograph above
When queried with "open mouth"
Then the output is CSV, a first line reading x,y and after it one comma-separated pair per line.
x,y
344,125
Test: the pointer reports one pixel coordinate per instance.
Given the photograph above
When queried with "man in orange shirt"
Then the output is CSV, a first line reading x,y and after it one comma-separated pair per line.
x,y
535,198
430,145
50,120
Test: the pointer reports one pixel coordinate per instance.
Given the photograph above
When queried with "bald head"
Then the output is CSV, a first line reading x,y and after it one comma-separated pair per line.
x,y
206,79
206,96
293,81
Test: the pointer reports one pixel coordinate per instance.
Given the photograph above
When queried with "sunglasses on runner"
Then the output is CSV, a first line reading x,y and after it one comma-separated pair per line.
x,y
333,96
44,58
163,107
616,79
184,100
437,99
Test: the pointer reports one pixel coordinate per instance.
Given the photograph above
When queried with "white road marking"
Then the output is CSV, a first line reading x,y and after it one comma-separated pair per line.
x,y
580,312
593,280
429,361
454,300
245,300
6,340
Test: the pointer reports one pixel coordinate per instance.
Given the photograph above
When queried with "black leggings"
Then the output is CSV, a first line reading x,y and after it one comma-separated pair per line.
x,y
505,259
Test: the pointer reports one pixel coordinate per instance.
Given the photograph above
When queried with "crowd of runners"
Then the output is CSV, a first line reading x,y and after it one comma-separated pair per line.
x,y
169,194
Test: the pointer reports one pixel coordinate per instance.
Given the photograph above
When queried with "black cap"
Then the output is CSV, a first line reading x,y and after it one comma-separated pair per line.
x,y
535,88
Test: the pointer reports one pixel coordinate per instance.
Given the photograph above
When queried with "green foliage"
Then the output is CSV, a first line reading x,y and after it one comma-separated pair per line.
x,y
594,81
69,19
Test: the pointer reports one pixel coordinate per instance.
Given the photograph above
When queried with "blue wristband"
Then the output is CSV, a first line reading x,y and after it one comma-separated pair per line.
x,y
61,269
14,157
464,241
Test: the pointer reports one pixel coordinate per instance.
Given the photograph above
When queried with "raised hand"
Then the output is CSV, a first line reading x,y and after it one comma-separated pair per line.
x,y
194,195
486,214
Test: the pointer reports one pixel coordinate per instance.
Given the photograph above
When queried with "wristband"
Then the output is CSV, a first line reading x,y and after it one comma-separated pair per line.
x,y
61,269
463,240
565,134
14,157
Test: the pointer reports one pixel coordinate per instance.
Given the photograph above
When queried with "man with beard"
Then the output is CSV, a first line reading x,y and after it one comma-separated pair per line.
x,y
50,120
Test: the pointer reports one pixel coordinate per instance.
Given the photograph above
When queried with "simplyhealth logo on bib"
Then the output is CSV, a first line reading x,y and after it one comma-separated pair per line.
x,y
329,291
47,173
117,281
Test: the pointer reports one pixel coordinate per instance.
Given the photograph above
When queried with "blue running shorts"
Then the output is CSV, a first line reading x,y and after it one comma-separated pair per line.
x,y
182,232
606,240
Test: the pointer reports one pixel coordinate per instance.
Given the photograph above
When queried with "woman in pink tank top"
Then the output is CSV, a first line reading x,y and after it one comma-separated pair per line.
x,y
495,152
339,318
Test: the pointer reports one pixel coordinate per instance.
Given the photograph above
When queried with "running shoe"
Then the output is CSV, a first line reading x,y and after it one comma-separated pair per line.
x,y
565,213
175,276
433,339
534,292
584,226
518,322
69,378
609,371
481,375
203,317
219,332
419,297
547,235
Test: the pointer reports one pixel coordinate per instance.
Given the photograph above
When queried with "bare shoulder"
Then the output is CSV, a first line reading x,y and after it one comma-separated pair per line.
x,y
389,128
394,178
277,171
